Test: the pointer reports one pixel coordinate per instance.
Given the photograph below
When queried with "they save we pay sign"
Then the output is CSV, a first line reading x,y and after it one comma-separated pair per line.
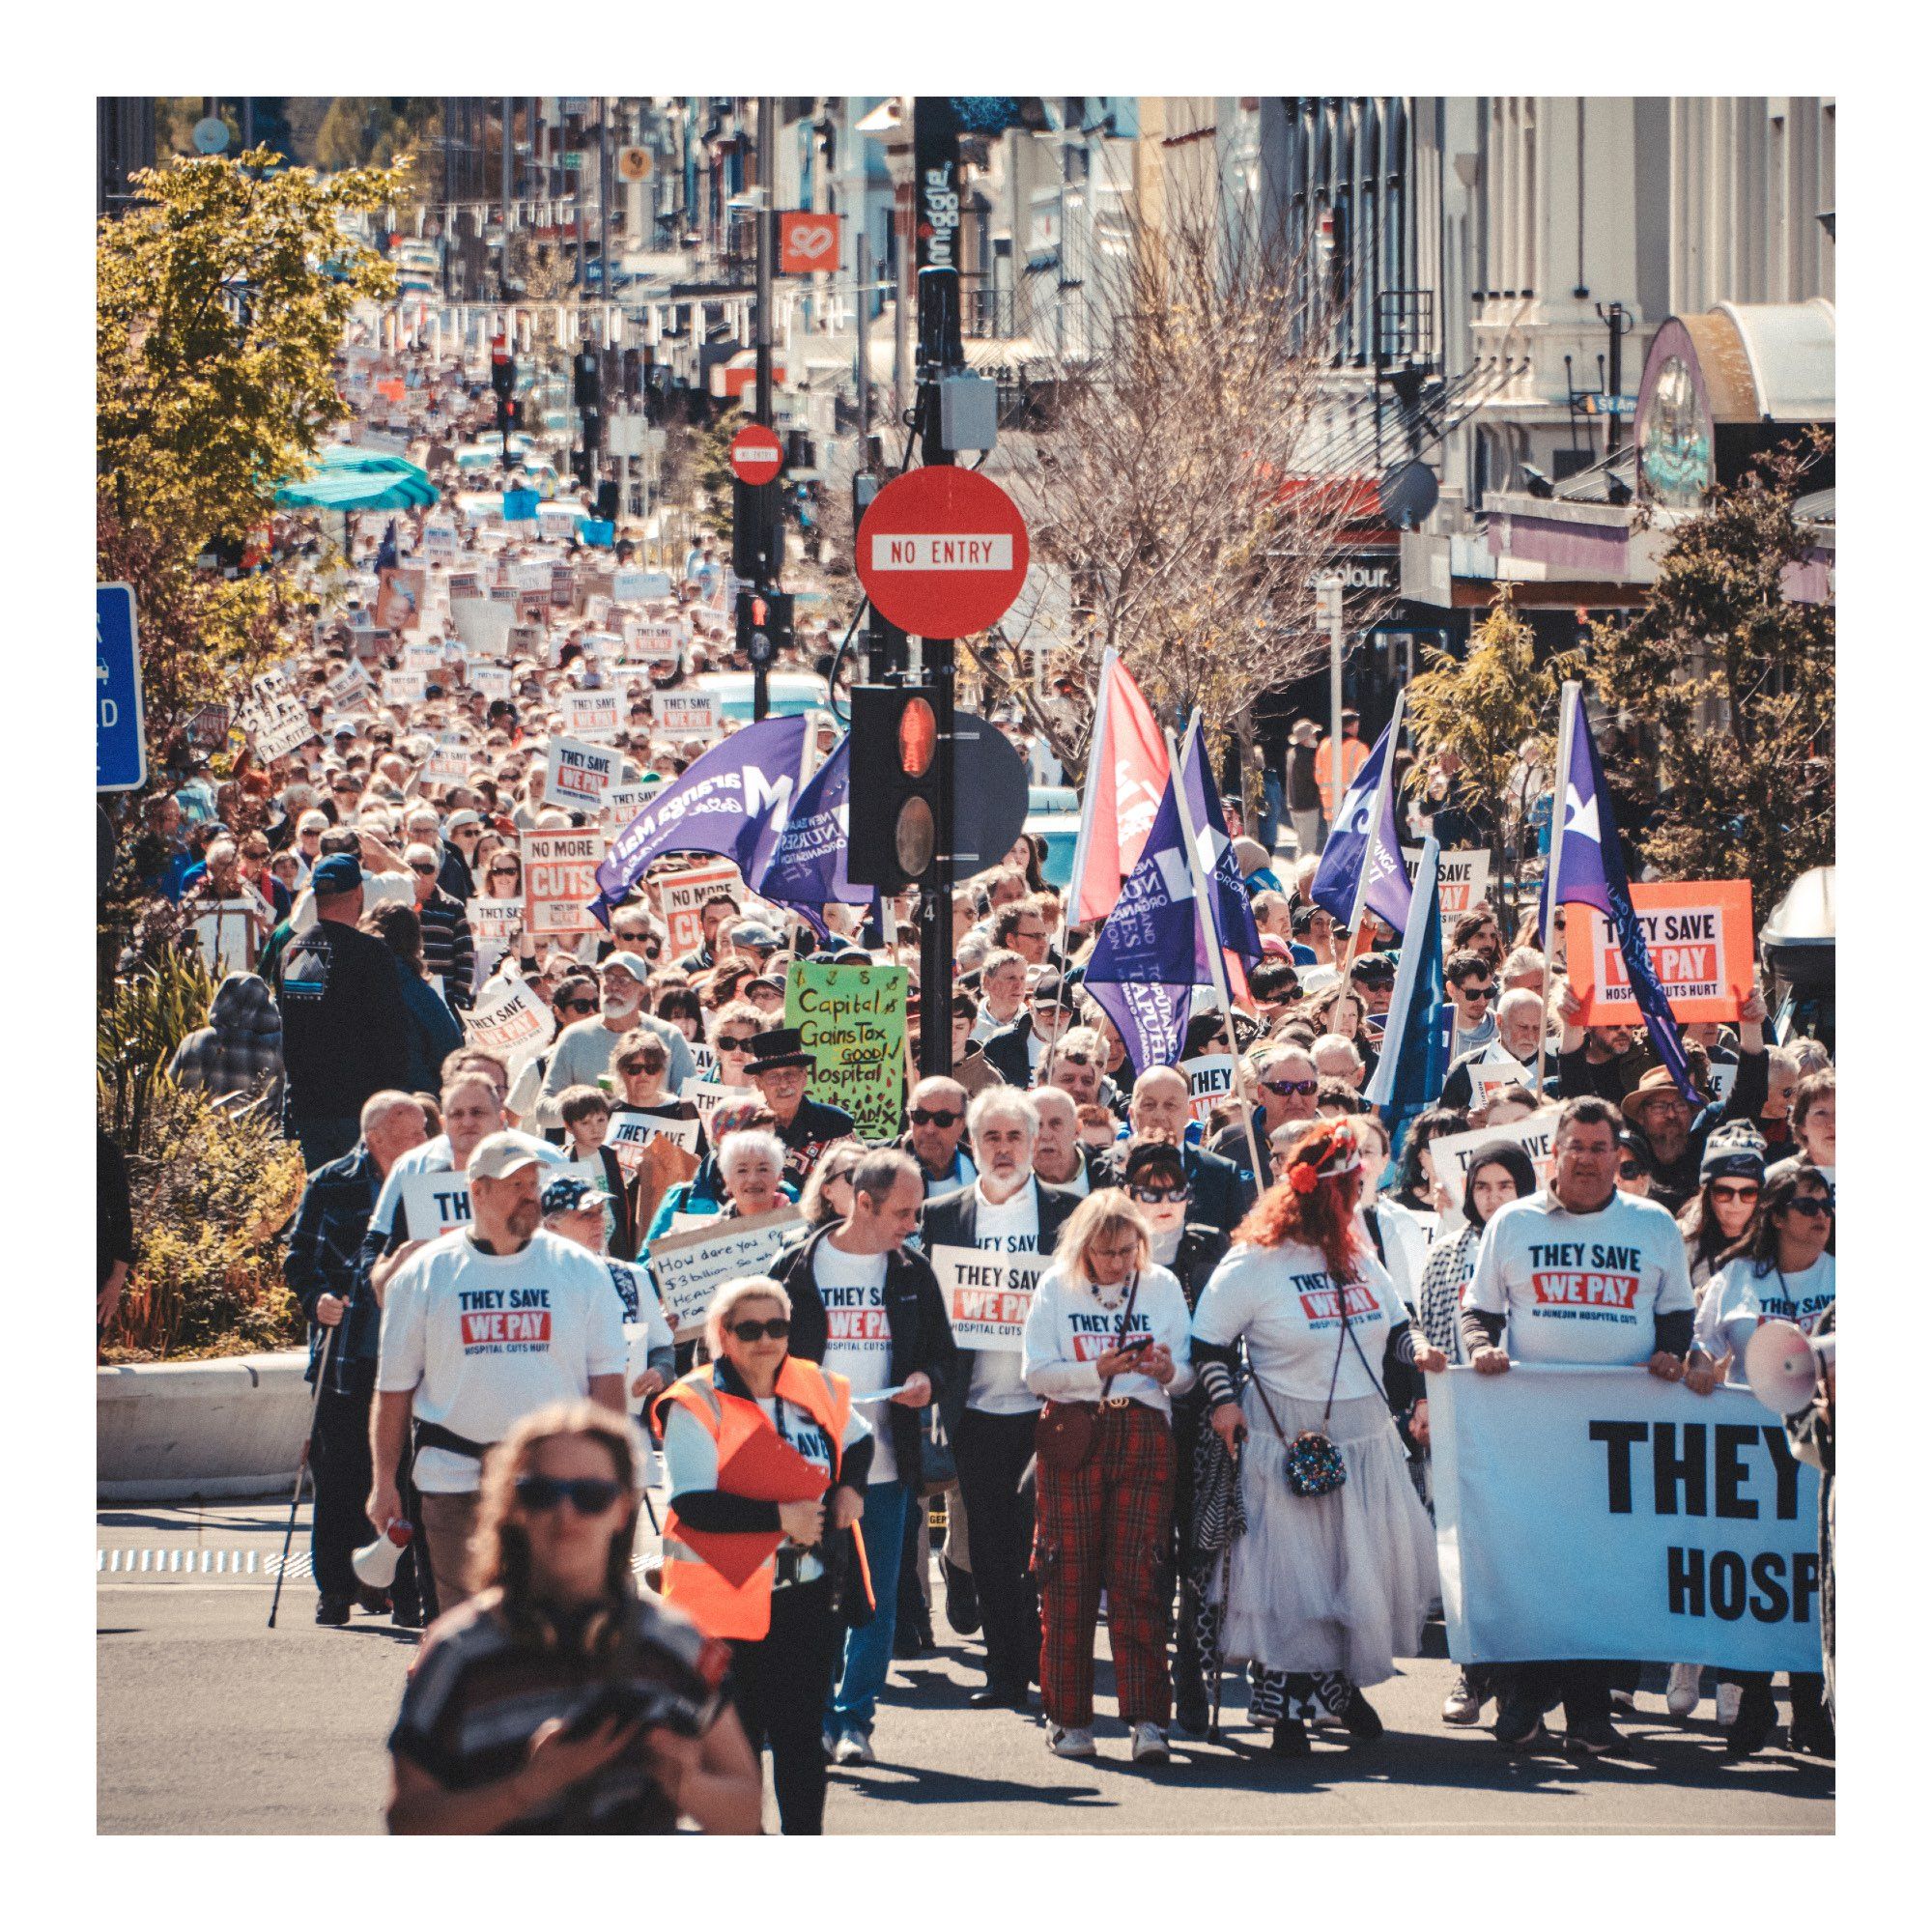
x,y
1698,935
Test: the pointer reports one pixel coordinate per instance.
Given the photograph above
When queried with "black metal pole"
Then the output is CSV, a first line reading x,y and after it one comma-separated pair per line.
x,y
767,220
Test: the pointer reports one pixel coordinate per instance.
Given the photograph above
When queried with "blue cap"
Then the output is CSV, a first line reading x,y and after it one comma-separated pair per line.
x,y
340,873
571,1193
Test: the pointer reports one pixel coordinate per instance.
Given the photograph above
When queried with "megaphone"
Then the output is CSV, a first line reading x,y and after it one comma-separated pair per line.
x,y
1785,1366
376,1563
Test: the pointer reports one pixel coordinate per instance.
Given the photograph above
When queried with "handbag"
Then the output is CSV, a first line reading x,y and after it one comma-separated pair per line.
x,y
1313,1464
937,1469
1067,1433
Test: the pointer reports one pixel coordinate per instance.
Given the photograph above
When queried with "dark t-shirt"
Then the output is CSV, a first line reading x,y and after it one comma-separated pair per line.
x,y
812,1129
345,1028
478,1694
1303,793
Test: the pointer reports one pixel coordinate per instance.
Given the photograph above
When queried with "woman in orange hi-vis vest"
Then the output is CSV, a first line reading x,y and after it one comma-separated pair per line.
x,y
767,1460
1354,754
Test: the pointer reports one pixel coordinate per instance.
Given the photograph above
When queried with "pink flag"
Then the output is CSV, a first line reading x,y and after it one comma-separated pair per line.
x,y
1126,773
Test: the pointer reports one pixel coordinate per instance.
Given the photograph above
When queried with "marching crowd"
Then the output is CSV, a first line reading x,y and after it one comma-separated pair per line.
x,y
1211,1426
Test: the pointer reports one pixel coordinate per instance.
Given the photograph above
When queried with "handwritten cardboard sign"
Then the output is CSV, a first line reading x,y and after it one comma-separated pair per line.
x,y
852,1020
688,1269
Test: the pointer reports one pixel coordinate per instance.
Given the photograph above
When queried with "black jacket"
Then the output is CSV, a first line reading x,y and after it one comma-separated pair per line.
x,y
345,1028
953,1221
1219,1195
1005,1051
322,1258
812,1129
915,1317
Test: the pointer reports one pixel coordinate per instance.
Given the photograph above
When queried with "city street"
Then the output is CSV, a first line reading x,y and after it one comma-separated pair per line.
x,y
282,1731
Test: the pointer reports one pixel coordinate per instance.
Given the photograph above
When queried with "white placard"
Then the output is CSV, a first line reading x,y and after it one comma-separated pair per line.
x,y
482,623
988,1295
629,1134
492,680
688,1269
1464,879
513,1020
1211,1080
577,775
434,1203
684,714
592,714
1452,1153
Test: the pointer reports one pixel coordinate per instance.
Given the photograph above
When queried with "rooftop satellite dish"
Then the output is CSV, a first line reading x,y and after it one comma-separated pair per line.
x,y
1409,495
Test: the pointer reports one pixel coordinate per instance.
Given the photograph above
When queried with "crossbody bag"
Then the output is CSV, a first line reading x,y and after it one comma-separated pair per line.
x,y
1313,1464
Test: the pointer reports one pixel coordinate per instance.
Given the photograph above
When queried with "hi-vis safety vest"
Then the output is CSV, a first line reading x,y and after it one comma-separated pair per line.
x,y
1354,754
710,1599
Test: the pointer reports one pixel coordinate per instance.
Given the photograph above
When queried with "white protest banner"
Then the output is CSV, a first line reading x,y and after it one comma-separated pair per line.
x,y
494,921
402,688
1211,1080
592,714
530,576
348,685
651,644
623,802
426,656
1494,1070
439,540
681,896
482,623
436,1202
684,714
509,1019
1723,1077
1602,1512
492,680
278,733
1453,1152
560,880
987,1295
640,587
629,1134
230,935
690,1268
1464,879
447,764
577,775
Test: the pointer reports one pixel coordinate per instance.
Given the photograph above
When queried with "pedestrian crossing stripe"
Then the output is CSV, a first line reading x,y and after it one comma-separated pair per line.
x,y
202,1562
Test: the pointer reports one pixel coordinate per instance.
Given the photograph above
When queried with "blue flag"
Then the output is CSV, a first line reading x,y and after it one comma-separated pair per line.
x,y
732,801
1416,1036
1592,873
1234,910
1369,803
808,864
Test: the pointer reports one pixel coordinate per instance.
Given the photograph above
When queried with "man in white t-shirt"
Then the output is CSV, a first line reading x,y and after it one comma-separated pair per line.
x,y
1580,1272
481,1327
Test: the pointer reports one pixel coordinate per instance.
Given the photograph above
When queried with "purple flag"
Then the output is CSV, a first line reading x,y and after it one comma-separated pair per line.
x,y
732,802
808,864
1593,874
1234,910
1338,880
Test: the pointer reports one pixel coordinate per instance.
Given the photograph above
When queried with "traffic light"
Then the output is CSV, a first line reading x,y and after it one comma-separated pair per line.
x,y
895,841
502,369
757,530
586,379
764,625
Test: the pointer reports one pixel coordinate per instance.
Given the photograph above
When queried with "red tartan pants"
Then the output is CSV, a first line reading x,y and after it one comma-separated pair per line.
x,y
1106,1525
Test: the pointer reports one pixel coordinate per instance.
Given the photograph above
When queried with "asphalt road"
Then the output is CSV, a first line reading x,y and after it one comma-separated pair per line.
x,y
209,1721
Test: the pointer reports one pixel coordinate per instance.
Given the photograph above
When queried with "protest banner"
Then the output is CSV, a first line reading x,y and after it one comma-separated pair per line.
x,y
439,540
592,714
690,1268
1211,1080
1723,1077
434,1203
577,775
504,593
464,586
528,577
405,688
1698,934
1602,1512
527,641
425,656
684,714
563,586
1452,1155
707,1096
651,644
230,935
1463,880
630,1134
494,921
681,897
987,1295
623,802
560,880
640,587
348,685
492,680
852,1020
512,1019
276,729
447,764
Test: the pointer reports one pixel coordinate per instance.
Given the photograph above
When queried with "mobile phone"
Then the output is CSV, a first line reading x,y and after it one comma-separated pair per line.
x,y
1134,1346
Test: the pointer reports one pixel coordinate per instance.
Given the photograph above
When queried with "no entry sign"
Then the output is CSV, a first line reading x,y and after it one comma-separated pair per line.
x,y
942,551
756,454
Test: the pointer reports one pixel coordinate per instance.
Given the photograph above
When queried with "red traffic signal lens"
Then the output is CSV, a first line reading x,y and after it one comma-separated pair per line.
x,y
919,740
915,837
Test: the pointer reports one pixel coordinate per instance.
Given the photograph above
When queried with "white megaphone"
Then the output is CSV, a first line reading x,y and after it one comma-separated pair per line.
x,y
1784,1366
376,1563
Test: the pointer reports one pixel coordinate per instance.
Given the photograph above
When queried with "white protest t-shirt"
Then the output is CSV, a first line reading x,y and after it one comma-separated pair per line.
x,y
1011,1227
1289,1306
1582,1287
483,1338
859,1342
1739,1301
1071,1324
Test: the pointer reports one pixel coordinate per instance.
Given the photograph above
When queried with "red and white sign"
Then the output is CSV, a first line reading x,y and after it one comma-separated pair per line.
x,y
1698,935
560,880
757,454
807,242
942,551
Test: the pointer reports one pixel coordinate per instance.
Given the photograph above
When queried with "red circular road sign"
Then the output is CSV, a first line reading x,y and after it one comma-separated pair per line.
x,y
942,551
756,454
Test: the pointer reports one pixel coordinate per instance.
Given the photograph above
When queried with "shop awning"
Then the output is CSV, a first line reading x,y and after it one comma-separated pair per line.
x,y
348,479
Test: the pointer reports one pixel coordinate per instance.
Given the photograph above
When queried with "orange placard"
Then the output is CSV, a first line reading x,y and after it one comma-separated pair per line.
x,y
1698,933
807,242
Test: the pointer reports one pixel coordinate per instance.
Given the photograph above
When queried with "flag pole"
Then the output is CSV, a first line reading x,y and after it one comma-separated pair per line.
x,y
1552,878
1384,789
1218,966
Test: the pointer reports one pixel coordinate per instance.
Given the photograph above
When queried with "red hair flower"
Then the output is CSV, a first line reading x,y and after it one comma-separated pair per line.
x,y
1303,1177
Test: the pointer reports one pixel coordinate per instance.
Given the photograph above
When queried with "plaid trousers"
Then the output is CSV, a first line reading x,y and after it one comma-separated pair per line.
x,y
1107,1525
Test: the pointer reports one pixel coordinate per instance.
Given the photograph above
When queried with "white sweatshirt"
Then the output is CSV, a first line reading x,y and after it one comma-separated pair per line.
x,y
1070,1326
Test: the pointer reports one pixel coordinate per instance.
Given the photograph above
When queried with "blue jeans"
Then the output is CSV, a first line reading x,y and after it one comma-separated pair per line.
x,y
869,1651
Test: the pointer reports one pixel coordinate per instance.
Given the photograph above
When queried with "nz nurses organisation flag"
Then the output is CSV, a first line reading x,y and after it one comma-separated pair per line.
x,y
1415,1041
1365,835
808,864
732,802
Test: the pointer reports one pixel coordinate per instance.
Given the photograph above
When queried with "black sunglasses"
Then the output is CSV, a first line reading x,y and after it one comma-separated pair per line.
x,y
1809,1206
1628,1171
1477,992
427,871
587,1495
577,1005
734,1043
778,1328
1155,1197
932,1117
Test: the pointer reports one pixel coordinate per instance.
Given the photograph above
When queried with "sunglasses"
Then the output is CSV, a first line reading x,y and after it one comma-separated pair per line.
x,y
503,873
1158,1197
1477,992
932,1117
1291,1085
843,1174
577,1005
736,1043
587,1495
1809,1206
426,870
629,1066
1723,1190
1628,1171
778,1328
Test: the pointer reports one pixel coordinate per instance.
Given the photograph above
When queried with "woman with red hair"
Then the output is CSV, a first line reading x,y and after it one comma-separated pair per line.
x,y
1335,1571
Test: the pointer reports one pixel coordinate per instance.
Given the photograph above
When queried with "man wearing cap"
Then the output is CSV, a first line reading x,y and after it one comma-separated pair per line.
x,y
583,1051
345,1029
780,1070
1015,1051
481,1327
753,939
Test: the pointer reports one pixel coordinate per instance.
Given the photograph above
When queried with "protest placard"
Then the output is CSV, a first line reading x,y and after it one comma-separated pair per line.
x,y
1494,1068
684,714
492,680
1723,1077
494,921
629,1134
987,1295
1599,1512
439,540
563,586
447,764
681,897
1464,879
852,1020
560,880
230,935
348,685
528,576
1211,1080
532,607
405,686
707,1096
1698,934
527,640
425,656
651,644
434,1203
464,584
399,599
1452,1153
577,775
690,1268
623,802
592,714
510,1019
275,729
640,587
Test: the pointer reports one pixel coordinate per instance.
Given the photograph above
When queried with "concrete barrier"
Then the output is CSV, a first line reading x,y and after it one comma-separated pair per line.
x,y
175,1432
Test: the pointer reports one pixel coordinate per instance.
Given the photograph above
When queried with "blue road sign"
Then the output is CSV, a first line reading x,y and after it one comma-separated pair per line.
x,y
119,742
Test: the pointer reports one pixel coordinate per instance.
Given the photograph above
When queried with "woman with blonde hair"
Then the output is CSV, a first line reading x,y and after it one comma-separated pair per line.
x,y
557,1700
1105,1345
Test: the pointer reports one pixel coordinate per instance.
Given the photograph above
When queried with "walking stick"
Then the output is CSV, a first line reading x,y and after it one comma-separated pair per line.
x,y
1221,1620
301,1468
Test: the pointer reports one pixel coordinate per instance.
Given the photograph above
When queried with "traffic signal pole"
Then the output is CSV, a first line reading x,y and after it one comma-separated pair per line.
x,y
767,217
